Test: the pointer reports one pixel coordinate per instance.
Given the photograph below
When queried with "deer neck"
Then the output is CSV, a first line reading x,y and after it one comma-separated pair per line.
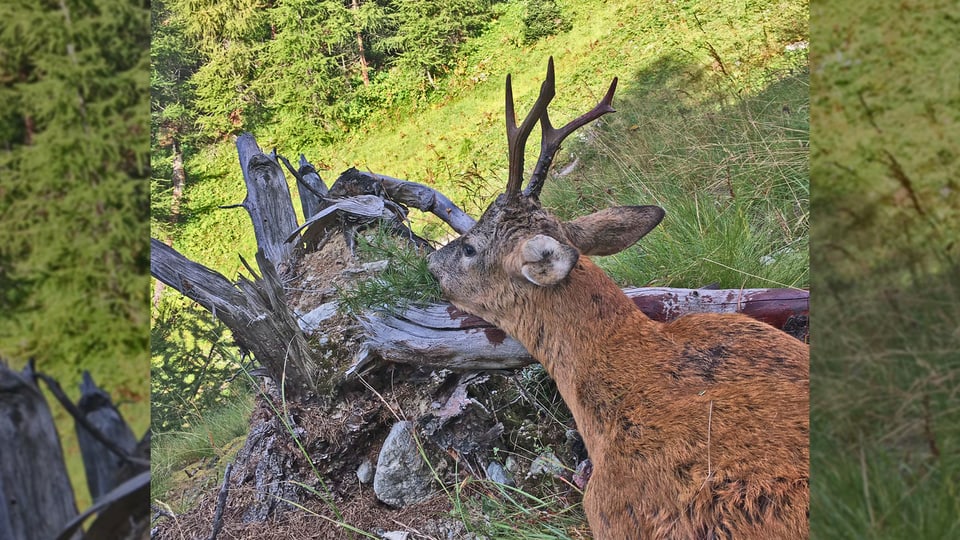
x,y
574,328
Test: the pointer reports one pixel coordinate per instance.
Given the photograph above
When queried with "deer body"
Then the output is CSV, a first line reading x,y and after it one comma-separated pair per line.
x,y
696,428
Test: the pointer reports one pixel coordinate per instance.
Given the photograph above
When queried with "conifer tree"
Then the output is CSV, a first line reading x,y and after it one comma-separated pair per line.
x,y
74,201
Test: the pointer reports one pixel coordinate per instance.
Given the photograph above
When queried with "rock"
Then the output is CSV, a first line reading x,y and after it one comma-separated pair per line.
x,y
583,473
395,535
546,464
365,472
498,474
402,476
511,465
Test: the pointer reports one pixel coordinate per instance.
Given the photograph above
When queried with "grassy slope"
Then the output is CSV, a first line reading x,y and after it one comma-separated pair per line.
x,y
456,143
885,422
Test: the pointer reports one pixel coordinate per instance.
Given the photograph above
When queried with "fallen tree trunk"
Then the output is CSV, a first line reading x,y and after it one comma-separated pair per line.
x,y
441,336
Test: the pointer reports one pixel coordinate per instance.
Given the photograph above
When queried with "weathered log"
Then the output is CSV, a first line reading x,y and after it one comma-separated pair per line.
x,y
255,311
268,200
37,497
441,336
426,199
312,191
100,464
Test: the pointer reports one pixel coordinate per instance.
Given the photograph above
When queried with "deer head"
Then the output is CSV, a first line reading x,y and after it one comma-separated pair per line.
x,y
517,246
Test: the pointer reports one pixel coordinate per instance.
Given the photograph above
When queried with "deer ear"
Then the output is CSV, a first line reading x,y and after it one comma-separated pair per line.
x,y
544,261
612,230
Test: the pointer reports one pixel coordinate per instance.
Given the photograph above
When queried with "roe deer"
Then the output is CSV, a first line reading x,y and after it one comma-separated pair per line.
x,y
697,428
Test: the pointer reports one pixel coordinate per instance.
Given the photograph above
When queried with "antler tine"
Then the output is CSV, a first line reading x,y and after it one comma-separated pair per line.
x,y
552,137
517,136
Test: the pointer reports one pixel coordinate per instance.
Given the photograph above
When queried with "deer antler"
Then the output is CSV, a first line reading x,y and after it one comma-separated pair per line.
x,y
517,136
551,138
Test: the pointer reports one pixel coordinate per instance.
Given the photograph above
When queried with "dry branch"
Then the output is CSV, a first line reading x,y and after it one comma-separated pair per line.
x,y
254,309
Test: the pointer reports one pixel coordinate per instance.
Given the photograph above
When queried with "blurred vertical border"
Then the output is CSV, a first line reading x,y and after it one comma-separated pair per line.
x,y
74,202
885,313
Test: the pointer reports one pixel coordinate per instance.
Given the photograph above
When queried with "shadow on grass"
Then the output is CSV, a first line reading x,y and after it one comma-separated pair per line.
x,y
730,170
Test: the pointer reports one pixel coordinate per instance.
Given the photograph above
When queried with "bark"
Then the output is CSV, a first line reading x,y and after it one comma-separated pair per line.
x,y
254,309
268,201
314,190
37,499
441,336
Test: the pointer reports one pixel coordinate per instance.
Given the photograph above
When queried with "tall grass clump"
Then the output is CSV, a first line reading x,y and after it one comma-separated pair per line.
x,y
885,441
732,176
213,435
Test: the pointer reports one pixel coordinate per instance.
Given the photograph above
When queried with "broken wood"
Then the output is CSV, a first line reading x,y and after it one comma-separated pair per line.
x,y
268,200
254,309
37,498
441,336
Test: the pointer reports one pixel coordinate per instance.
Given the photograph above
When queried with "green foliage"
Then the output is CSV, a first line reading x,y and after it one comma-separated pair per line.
x,y
74,203
543,18
429,33
193,367
405,280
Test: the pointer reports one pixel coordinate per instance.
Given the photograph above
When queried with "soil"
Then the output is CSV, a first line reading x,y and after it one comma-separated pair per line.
x,y
295,475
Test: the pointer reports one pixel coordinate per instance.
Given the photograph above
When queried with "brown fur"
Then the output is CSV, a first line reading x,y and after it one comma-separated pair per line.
x,y
698,428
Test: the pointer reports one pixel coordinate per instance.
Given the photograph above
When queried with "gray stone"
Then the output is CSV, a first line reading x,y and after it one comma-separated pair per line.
x,y
395,535
546,464
498,474
402,476
365,472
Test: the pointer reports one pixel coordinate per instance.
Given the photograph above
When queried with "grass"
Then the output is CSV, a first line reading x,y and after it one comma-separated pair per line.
x,y
733,179
217,434
885,443
886,353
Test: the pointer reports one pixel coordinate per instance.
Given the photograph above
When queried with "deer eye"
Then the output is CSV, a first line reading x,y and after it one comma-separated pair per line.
x,y
468,250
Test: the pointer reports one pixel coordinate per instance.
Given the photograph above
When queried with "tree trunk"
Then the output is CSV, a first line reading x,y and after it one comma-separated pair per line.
x,y
363,59
179,178
37,498
268,200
